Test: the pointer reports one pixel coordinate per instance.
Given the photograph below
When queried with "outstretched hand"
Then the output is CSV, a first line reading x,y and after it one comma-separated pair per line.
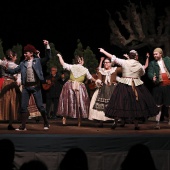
x,y
38,53
102,58
126,55
147,55
59,55
45,42
101,50
57,52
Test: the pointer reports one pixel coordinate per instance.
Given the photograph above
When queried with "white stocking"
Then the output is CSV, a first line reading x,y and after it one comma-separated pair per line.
x,y
159,115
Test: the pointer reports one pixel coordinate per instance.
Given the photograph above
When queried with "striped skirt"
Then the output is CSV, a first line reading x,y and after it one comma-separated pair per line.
x,y
73,104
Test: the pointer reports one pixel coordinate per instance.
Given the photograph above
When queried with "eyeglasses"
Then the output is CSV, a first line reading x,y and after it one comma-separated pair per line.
x,y
106,62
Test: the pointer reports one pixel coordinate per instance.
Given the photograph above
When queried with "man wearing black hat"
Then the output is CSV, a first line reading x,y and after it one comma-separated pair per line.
x,y
31,79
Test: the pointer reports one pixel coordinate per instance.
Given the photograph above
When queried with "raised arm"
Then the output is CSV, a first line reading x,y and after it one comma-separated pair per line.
x,y
112,57
93,79
60,59
45,59
147,61
101,61
105,53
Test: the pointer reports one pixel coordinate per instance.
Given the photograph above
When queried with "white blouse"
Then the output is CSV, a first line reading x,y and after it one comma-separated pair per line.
x,y
77,70
132,70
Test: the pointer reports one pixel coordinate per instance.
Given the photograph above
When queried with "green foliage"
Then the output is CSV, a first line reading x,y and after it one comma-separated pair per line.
x,y
54,61
18,49
79,50
90,60
2,55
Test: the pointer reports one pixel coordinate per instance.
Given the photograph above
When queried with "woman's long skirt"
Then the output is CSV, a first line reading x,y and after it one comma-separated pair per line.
x,y
73,104
125,104
10,97
99,102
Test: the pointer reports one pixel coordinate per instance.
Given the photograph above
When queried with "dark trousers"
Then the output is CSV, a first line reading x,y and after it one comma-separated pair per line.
x,y
49,102
26,92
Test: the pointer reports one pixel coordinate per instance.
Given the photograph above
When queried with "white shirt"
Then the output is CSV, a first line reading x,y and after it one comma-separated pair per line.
x,y
161,65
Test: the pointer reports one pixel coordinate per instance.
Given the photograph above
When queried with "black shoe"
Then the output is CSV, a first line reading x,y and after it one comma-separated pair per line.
x,y
46,126
157,127
48,117
137,128
114,125
100,126
37,119
21,128
122,124
10,127
53,117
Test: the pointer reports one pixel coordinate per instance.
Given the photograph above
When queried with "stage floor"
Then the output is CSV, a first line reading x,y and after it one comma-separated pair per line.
x,y
105,147
87,127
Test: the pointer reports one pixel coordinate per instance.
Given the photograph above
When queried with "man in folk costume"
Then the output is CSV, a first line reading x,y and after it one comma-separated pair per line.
x,y
159,73
31,79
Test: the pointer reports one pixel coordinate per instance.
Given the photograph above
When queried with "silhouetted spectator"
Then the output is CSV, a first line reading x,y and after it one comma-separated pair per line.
x,y
138,158
34,165
7,154
74,159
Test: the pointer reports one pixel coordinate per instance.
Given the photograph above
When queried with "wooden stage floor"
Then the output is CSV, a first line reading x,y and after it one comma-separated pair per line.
x,y
87,127
105,147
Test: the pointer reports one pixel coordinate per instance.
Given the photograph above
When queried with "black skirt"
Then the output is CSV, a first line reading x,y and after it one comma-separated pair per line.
x,y
161,95
123,103
103,97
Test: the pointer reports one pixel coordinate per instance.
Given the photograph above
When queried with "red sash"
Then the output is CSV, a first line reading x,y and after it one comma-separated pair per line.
x,y
1,83
165,79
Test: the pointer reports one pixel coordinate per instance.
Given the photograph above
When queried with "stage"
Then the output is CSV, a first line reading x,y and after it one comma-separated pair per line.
x,y
105,147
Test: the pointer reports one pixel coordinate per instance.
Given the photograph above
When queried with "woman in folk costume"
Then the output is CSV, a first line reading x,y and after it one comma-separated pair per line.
x,y
74,100
130,99
106,83
10,95
159,73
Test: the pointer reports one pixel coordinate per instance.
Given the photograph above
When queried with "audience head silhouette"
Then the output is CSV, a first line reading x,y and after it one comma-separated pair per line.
x,y
7,154
138,158
76,159
33,165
